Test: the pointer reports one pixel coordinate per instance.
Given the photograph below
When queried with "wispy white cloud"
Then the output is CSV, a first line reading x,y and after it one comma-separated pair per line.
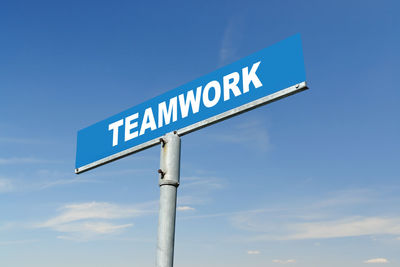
x,y
346,198
41,180
25,160
118,172
185,208
252,133
253,252
11,225
22,140
18,242
90,210
284,261
84,221
60,182
207,216
347,227
231,39
186,199
47,178
205,183
377,260
291,229
254,221
91,227
198,190
322,219
6,185
234,214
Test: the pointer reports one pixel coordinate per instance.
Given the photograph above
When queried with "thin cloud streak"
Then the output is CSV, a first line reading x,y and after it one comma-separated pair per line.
x,y
60,182
19,185
322,219
284,261
91,227
185,208
6,185
202,183
18,242
90,220
90,210
328,229
25,160
198,190
253,134
345,198
232,38
42,180
377,260
52,178
23,141
347,227
229,214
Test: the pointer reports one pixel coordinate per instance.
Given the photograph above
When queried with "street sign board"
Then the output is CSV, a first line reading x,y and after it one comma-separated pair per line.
x,y
270,74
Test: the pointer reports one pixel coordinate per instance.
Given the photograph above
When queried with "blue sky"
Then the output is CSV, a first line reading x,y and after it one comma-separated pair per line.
x,y
310,180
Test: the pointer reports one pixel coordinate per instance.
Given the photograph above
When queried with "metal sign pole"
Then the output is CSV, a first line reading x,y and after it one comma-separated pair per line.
x,y
169,182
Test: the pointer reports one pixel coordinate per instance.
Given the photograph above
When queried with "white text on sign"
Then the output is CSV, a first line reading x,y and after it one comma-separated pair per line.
x,y
186,101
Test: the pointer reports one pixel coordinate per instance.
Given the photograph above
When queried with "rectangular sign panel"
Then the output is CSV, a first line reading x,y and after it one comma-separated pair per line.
x,y
260,78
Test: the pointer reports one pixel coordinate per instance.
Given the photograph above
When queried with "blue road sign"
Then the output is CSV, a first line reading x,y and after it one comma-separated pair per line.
x,y
258,79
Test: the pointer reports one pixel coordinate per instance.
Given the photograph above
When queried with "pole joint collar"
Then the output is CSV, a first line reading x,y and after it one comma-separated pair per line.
x,y
168,182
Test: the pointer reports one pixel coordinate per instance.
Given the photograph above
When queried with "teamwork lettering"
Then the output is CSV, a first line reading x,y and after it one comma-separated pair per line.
x,y
136,124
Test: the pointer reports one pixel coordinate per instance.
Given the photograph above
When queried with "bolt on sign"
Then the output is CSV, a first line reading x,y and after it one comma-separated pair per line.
x,y
270,74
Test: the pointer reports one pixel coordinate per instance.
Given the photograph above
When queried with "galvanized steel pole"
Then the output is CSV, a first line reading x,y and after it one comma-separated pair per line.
x,y
169,182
